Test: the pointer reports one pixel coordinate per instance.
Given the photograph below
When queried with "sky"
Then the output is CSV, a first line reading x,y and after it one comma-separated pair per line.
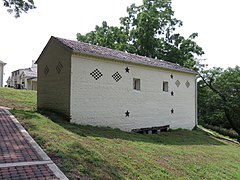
x,y
23,39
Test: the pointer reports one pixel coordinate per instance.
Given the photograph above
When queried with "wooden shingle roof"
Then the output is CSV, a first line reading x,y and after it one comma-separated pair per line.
x,y
98,51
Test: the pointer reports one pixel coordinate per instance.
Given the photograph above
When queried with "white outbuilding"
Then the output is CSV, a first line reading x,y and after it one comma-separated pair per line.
x,y
103,87
2,64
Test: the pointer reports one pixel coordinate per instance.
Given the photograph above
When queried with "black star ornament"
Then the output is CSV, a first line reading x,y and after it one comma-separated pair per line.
x,y
127,113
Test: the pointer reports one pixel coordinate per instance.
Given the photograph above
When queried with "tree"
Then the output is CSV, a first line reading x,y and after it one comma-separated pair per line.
x,y
226,85
106,36
18,6
210,111
148,30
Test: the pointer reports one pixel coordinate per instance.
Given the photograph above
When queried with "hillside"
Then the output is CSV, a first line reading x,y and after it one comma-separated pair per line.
x,y
104,153
18,99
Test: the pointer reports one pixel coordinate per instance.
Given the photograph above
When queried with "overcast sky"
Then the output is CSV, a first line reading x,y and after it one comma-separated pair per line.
x,y
23,39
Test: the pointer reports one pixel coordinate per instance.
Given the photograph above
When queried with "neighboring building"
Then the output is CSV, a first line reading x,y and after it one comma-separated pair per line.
x,y
24,78
9,82
104,87
15,80
2,64
29,80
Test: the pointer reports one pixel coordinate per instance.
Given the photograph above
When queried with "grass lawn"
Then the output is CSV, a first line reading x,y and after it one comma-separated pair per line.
x,y
18,99
104,153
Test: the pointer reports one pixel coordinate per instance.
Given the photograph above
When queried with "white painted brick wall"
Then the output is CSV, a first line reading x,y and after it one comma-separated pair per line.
x,y
103,102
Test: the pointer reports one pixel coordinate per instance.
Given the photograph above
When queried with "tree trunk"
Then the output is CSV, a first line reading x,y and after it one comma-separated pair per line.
x,y
231,122
226,110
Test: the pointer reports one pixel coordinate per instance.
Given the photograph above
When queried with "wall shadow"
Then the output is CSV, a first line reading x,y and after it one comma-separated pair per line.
x,y
92,165
176,137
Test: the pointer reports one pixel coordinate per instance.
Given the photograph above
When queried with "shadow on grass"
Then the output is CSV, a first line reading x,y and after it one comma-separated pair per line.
x,y
26,114
92,165
176,137
80,163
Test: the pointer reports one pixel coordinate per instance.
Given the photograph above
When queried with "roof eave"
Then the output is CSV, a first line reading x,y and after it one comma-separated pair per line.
x,y
3,63
57,41
131,62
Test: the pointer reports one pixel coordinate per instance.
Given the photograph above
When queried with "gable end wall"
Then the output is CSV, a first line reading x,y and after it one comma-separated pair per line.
x,y
54,87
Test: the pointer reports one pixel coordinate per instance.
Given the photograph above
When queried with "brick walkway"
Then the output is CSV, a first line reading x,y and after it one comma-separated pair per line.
x,y
20,156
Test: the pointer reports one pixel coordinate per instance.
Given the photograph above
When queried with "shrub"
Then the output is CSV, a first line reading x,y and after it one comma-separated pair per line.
x,y
226,132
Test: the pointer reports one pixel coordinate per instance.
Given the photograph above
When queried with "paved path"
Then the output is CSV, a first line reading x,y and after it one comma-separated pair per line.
x,y
21,158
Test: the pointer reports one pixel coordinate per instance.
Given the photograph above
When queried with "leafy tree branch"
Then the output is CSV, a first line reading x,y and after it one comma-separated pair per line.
x,y
148,30
226,84
18,6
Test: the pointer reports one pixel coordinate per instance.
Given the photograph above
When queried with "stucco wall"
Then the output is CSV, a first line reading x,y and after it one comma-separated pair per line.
x,y
104,102
54,78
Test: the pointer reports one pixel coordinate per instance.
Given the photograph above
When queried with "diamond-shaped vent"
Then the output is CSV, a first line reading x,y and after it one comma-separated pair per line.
x,y
46,70
59,67
116,76
177,83
187,84
96,74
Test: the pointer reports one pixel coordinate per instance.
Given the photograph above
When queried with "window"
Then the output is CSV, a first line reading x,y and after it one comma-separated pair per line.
x,y
136,84
165,86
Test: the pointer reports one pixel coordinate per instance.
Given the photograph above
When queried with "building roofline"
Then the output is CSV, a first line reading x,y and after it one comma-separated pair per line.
x,y
52,38
22,69
1,62
77,47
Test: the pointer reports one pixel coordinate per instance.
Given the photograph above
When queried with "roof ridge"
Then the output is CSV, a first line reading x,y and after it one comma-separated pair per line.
x,y
116,50
105,52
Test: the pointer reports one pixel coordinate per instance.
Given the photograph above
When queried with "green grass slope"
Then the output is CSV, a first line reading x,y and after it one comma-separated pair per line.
x,y
18,99
86,152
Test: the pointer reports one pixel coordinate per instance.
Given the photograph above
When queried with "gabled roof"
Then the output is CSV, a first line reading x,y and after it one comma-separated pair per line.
x,y
29,73
98,51
24,69
1,62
